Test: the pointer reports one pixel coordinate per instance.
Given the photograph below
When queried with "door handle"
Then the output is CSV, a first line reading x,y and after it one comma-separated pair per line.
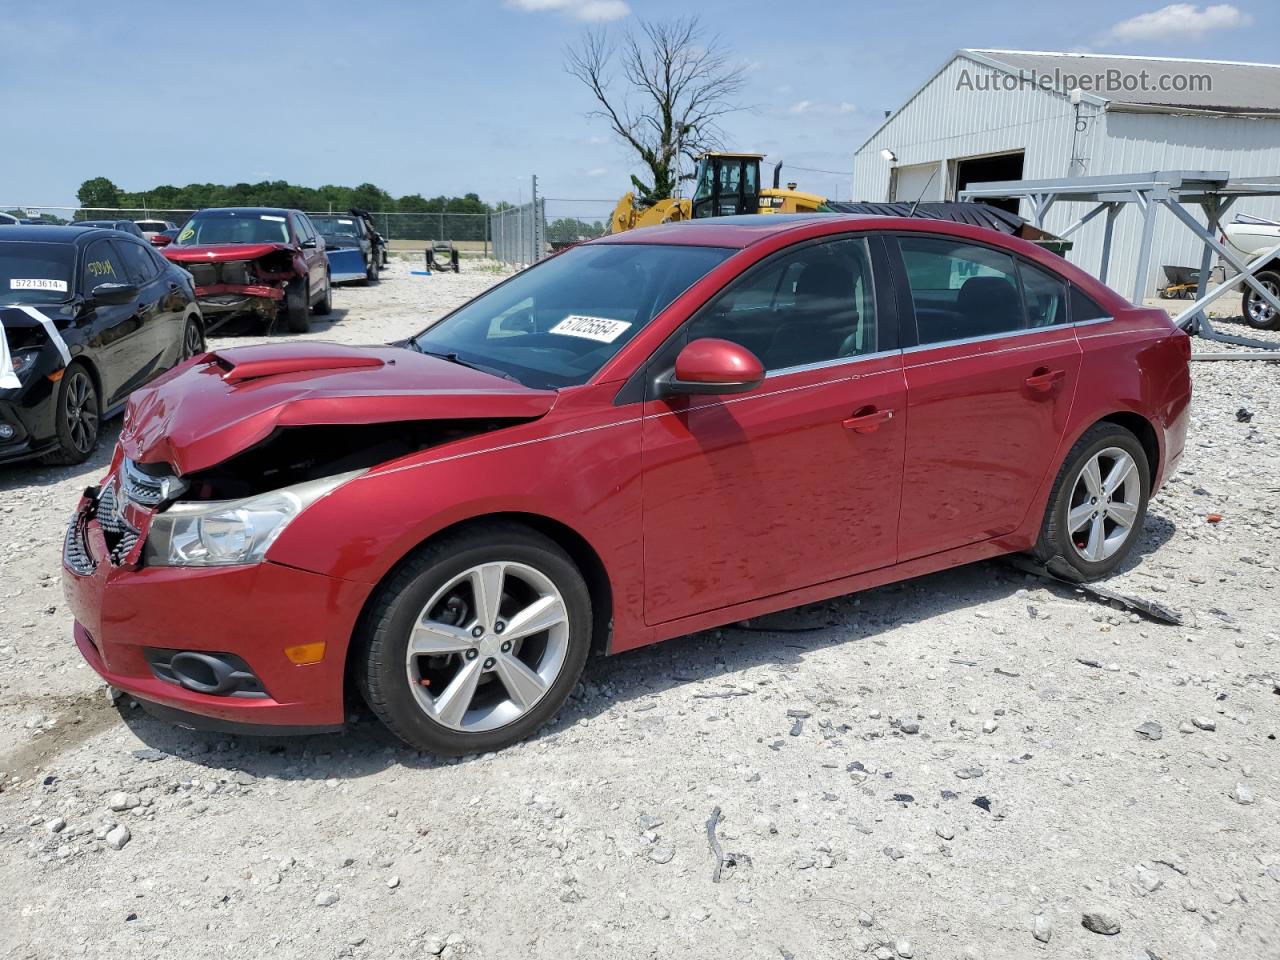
x,y
867,419
1044,379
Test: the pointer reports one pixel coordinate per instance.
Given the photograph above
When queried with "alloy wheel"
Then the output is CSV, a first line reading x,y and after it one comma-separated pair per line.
x,y
487,646
1104,504
1261,312
192,342
81,411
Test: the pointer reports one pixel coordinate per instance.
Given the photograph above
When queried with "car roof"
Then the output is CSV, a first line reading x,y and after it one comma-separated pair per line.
x,y
52,233
736,232
270,211
744,230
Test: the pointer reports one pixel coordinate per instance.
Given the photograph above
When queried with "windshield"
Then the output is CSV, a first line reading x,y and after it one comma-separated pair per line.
x,y
153,226
232,226
35,272
558,323
336,226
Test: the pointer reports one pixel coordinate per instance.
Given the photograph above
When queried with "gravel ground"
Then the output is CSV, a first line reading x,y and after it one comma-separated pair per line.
x,y
949,767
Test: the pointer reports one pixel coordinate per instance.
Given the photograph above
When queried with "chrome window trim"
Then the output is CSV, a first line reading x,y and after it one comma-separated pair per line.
x,y
824,364
1001,336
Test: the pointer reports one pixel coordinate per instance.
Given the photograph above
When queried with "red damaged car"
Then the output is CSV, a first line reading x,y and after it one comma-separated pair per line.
x,y
648,435
256,260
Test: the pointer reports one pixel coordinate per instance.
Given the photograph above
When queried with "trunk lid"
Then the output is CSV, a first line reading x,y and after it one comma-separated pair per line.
x,y
221,403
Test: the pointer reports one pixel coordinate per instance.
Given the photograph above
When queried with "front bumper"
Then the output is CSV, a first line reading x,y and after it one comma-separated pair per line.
x,y
254,612
29,413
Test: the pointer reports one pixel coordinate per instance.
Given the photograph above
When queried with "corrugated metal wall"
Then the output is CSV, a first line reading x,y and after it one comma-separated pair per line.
x,y
950,120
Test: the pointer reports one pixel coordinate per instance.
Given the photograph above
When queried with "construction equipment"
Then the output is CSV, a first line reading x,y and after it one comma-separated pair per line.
x,y
726,184
1181,283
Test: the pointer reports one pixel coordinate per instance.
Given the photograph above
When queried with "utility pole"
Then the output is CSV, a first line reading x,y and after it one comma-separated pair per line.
x,y
535,245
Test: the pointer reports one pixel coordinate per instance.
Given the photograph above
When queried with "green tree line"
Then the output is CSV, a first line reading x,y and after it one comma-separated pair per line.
x,y
101,192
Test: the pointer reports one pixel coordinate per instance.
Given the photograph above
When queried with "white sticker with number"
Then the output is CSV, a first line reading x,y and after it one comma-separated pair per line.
x,y
591,328
38,283
268,216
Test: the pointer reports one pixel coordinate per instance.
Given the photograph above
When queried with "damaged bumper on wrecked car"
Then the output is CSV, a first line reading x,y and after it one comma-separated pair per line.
x,y
239,278
252,642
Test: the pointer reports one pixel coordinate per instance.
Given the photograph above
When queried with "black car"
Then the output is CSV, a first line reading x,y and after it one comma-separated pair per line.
x,y
125,226
86,316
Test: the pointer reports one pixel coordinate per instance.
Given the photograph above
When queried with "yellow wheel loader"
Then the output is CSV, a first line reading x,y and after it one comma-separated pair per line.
x,y
726,184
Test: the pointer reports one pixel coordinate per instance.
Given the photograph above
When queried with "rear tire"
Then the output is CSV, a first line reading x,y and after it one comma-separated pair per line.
x,y
432,600
297,310
1090,524
1257,312
77,416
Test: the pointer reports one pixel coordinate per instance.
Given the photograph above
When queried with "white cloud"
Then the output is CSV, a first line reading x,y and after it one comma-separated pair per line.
x,y
598,172
1178,21
588,10
811,106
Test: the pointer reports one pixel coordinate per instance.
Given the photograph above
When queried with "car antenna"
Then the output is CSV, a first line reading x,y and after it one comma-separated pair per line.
x,y
912,211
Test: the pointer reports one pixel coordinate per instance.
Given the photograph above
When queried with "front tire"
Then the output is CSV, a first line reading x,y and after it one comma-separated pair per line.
x,y
192,339
324,305
476,641
77,416
297,310
1257,312
1097,506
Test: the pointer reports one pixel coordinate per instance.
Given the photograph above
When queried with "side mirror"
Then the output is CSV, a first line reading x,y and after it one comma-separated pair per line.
x,y
710,366
114,293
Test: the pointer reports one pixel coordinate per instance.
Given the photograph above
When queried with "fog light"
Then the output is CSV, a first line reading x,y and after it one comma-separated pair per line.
x,y
305,653
6,431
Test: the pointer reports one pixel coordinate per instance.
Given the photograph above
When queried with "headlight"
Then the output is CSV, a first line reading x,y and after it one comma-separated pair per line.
x,y
226,532
24,360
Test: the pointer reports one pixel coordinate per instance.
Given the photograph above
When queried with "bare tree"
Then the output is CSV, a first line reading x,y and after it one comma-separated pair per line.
x,y
678,83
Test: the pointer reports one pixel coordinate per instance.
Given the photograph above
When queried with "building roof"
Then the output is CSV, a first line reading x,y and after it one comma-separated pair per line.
x,y
1214,86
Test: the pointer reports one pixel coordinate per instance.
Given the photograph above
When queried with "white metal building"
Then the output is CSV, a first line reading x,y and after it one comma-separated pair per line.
x,y
989,115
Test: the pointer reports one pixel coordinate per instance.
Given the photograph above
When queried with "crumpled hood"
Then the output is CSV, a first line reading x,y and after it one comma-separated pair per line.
x,y
219,252
221,403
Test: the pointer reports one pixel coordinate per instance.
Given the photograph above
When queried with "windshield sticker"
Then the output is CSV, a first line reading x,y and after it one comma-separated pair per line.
x,y
347,222
591,328
36,283
186,234
267,216
102,268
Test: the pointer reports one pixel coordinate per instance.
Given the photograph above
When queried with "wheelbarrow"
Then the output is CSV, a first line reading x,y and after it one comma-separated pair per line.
x,y
1181,283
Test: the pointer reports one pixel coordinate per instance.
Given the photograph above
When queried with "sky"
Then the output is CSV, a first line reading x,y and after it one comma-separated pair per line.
x,y
434,97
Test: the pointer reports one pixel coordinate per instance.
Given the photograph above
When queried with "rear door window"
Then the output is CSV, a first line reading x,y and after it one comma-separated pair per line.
x,y
961,290
137,261
1045,296
1084,308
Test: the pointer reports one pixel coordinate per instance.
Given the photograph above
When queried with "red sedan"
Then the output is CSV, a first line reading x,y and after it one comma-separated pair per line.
x,y
648,435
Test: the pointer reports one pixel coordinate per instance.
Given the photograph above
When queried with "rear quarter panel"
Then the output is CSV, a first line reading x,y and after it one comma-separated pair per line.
x,y
1134,363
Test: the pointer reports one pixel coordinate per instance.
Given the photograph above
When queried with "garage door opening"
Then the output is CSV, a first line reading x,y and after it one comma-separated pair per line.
x,y
1003,166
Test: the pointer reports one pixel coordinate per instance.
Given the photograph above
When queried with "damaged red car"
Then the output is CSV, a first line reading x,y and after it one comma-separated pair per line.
x,y
648,435
255,260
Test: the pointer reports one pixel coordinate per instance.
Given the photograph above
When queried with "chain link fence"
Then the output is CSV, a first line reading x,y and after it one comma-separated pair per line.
x,y
518,234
